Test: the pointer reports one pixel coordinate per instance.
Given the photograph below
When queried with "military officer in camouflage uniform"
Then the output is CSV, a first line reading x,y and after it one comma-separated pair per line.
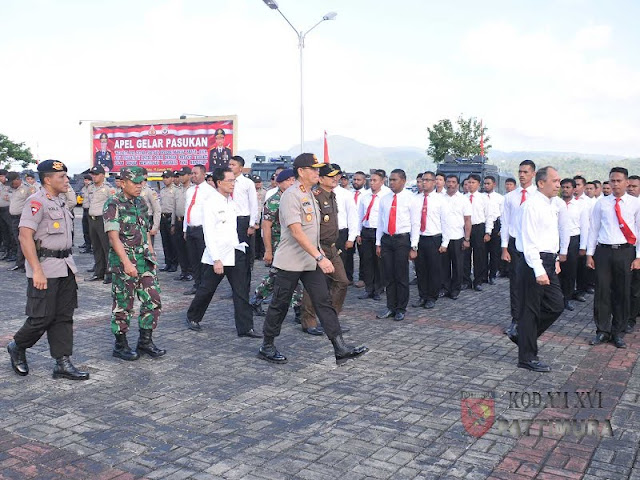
x,y
167,208
18,199
220,155
133,265
98,194
52,292
271,231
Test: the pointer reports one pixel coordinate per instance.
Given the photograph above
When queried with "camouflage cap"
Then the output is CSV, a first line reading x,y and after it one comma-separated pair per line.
x,y
134,174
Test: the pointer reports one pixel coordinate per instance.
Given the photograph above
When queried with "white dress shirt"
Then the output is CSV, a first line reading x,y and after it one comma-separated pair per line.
x,y
347,212
436,210
220,230
574,212
457,207
406,220
360,195
605,228
481,211
496,203
372,221
196,217
510,221
540,229
585,224
245,196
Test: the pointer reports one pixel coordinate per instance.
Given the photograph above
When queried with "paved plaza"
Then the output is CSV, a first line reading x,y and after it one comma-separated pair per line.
x,y
210,409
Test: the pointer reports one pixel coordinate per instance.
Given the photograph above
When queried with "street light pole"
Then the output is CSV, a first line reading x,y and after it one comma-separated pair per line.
x,y
301,36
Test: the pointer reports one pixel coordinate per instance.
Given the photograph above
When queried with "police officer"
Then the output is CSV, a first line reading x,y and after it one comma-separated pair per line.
x,y
299,257
177,223
103,156
153,206
167,209
220,155
5,219
98,193
18,200
85,214
132,262
45,238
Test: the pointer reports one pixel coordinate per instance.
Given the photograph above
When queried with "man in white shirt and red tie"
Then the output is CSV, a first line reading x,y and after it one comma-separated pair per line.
x,y
359,182
368,215
538,268
482,218
494,252
634,190
246,198
613,250
195,199
569,252
396,243
430,207
510,230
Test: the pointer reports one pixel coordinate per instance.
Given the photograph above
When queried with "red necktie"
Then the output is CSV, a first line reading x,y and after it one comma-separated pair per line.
x,y
423,220
357,195
523,197
193,200
392,216
626,231
373,199
471,198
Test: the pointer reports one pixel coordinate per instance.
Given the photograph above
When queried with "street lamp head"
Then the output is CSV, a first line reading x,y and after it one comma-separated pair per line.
x,y
328,16
271,4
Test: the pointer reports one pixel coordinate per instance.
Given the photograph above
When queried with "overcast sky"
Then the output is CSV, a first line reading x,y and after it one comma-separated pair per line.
x,y
543,75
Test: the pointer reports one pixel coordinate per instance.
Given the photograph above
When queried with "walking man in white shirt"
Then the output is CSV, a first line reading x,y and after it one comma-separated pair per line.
x,y
569,252
359,183
494,252
481,228
246,198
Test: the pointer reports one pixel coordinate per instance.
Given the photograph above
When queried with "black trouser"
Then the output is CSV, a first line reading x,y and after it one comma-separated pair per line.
x,y
395,267
170,257
50,311
612,302
15,222
541,305
85,228
494,252
479,256
514,293
259,244
635,297
5,229
180,247
569,269
429,267
371,264
195,249
236,276
349,263
453,264
100,244
341,244
242,226
315,283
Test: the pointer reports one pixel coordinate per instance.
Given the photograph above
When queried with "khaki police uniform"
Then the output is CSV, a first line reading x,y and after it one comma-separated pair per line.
x,y
18,201
177,222
98,195
50,310
85,216
5,219
167,209
298,205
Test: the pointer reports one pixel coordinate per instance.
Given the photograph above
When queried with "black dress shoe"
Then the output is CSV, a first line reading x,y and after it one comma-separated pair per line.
x,y
419,304
92,269
510,328
93,278
270,353
376,297
429,304
251,334
590,290
386,314
442,293
399,316
629,328
492,281
568,305
467,286
107,279
365,296
65,369
313,331
18,359
477,288
344,352
618,342
513,335
191,291
165,268
599,339
454,296
193,325
535,365
172,269
579,297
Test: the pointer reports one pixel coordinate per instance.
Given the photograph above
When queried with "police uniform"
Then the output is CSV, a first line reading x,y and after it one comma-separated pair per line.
x,y
219,157
49,309
85,218
128,217
153,207
167,198
98,195
18,201
177,222
299,206
5,220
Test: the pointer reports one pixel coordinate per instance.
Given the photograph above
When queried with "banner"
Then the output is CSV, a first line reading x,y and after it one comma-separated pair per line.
x,y
164,144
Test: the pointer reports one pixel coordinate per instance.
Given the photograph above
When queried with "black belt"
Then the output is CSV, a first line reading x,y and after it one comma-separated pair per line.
x,y
95,217
179,219
548,256
197,227
367,228
397,235
165,214
46,253
615,246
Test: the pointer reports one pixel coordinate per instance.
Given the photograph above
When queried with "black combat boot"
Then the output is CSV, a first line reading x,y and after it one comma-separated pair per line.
x,y
270,353
18,359
65,369
122,349
344,352
256,305
298,314
146,345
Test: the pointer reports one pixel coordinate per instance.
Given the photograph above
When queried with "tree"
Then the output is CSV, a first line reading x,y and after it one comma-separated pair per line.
x,y
14,152
460,141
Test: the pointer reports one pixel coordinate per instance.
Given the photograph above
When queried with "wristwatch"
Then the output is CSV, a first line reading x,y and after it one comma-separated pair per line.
x,y
415,249
319,258
467,239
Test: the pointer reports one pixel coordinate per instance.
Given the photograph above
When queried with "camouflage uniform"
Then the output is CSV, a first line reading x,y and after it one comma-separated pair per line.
x,y
265,288
130,218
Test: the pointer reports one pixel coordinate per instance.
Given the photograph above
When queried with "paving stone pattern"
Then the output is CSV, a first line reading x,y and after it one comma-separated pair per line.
x,y
210,409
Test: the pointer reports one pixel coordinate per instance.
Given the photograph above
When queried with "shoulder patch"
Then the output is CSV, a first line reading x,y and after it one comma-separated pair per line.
x,y
35,207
